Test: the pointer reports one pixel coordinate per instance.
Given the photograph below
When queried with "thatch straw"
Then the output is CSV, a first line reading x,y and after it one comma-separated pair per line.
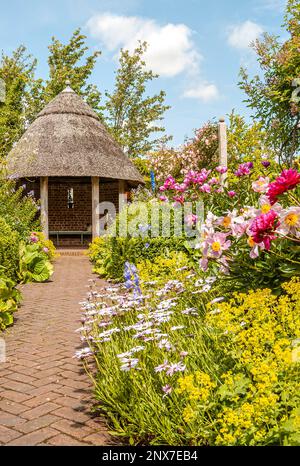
x,y
67,139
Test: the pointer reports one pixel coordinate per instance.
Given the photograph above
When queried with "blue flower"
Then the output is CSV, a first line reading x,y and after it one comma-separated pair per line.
x,y
132,280
153,182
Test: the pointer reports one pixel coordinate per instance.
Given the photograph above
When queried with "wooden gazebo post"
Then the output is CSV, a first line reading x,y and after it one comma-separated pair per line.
x,y
95,206
44,205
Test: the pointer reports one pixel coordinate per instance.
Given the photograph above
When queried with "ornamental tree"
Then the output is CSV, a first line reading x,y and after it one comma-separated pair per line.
x,y
200,151
132,116
247,142
17,72
68,62
274,95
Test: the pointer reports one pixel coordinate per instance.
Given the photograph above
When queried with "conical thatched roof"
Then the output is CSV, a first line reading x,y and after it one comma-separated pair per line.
x,y
67,139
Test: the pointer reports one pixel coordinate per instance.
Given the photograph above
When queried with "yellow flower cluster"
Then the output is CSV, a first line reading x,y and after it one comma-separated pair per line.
x,y
260,328
197,386
258,336
173,265
260,325
189,414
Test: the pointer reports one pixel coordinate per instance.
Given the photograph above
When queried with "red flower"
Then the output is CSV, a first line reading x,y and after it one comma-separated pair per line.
x,y
263,228
286,181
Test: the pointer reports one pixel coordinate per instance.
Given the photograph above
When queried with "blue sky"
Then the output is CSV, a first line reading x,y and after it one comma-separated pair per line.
x,y
197,46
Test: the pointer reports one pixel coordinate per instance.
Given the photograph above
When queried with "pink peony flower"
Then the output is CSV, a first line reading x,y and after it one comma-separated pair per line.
x,y
254,253
179,199
244,169
290,222
265,206
231,193
217,244
263,228
213,180
205,188
221,169
261,185
163,198
288,180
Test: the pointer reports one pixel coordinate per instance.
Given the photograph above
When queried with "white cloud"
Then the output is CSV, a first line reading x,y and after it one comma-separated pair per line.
x,y
170,47
171,50
203,91
241,35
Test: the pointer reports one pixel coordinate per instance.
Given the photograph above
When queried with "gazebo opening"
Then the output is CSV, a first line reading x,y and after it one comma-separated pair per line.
x,y
70,207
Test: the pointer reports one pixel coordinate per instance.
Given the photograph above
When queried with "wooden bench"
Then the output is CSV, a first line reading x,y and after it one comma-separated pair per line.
x,y
70,233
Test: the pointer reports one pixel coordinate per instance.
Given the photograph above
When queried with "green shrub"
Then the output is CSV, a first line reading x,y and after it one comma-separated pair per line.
x,y
9,250
131,238
34,264
109,254
19,211
9,300
172,265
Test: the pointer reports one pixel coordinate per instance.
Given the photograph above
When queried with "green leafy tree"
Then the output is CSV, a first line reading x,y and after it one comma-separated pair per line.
x,y
247,142
133,117
67,62
274,96
17,72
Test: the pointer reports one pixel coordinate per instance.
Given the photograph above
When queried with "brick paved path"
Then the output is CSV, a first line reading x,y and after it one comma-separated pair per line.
x,y
45,397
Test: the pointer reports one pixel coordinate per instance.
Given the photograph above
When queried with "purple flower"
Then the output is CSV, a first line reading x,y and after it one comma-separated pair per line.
x,y
144,228
167,389
162,367
128,363
34,238
132,280
176,367
83,353
244,169
165,344
46,250
266,163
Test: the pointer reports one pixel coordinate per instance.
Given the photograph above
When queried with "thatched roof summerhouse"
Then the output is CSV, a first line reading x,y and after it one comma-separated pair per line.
x,y
65,151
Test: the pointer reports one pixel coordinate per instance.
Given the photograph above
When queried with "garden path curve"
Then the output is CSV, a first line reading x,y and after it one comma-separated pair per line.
x,y
45,396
